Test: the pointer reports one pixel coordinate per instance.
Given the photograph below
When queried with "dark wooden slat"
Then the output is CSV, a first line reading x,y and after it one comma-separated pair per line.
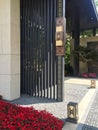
x,y
45,55
38,48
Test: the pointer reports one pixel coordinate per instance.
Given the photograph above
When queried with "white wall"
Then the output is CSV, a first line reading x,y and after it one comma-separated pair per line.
x,y
10,49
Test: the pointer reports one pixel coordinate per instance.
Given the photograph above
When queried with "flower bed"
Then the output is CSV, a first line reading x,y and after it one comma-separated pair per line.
x,y
14,117
89,75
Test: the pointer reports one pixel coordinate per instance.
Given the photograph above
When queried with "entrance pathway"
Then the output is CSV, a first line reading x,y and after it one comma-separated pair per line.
x,y
91,122
72,92
75,90
89,104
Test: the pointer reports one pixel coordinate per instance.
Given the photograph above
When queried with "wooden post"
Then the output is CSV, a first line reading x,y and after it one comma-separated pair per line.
x,y
60,58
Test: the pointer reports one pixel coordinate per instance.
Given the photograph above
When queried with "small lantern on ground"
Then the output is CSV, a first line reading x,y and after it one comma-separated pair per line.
x,y
93,84
72,112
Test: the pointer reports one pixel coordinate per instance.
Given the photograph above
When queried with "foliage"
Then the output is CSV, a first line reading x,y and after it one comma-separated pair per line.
x,y
67,50
86,33
89,75
14,117
85,54
68,67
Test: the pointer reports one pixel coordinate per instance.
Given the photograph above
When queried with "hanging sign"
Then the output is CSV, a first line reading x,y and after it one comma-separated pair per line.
x,y
60,36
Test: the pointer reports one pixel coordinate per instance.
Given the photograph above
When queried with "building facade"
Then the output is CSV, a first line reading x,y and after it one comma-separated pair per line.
x,y
10,49
29,64
32,37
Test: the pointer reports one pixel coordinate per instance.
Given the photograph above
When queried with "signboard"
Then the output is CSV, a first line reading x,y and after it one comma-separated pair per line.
x,y
60,36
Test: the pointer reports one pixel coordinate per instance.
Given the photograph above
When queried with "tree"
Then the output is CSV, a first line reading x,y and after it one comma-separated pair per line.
x,y
86,54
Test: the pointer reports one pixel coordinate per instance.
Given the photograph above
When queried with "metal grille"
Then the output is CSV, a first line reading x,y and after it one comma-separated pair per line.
x,y
38,60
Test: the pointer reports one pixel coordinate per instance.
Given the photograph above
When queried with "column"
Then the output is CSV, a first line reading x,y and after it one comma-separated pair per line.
x,y
9,49
15,48
76,35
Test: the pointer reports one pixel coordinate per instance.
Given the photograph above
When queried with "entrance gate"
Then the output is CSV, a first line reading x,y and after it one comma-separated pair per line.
x,y
38,59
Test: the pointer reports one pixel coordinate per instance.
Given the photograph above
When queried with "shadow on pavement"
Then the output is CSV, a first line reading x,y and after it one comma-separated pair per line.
x,y
28,100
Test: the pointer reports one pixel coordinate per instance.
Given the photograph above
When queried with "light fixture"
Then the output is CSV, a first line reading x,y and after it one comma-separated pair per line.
x,y
72,112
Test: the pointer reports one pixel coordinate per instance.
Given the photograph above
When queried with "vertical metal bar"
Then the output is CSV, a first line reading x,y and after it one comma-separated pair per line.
x,y
42,43
34,50
27,44
36,47
25,47
39,24
50,46
54,49
45,50
21,41
24,58
76,39
31,48
30,51
29,29
21,36
48,53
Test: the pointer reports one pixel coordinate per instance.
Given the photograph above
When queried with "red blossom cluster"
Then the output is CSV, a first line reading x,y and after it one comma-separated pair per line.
x,y
89,75
15,117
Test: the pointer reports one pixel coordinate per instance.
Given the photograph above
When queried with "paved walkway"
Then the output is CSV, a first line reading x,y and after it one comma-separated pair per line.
x,y
75,90
91,122
89,104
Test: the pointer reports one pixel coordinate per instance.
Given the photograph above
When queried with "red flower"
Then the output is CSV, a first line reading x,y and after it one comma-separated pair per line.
x,y
14,117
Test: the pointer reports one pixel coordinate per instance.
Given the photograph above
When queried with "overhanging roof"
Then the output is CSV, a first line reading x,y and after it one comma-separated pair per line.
x,y
87,13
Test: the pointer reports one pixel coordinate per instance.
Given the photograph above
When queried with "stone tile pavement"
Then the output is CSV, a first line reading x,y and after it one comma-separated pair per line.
x,y
75,89
72,92
91,122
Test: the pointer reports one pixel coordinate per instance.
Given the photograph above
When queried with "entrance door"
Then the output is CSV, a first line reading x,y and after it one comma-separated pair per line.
x,y
38,60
